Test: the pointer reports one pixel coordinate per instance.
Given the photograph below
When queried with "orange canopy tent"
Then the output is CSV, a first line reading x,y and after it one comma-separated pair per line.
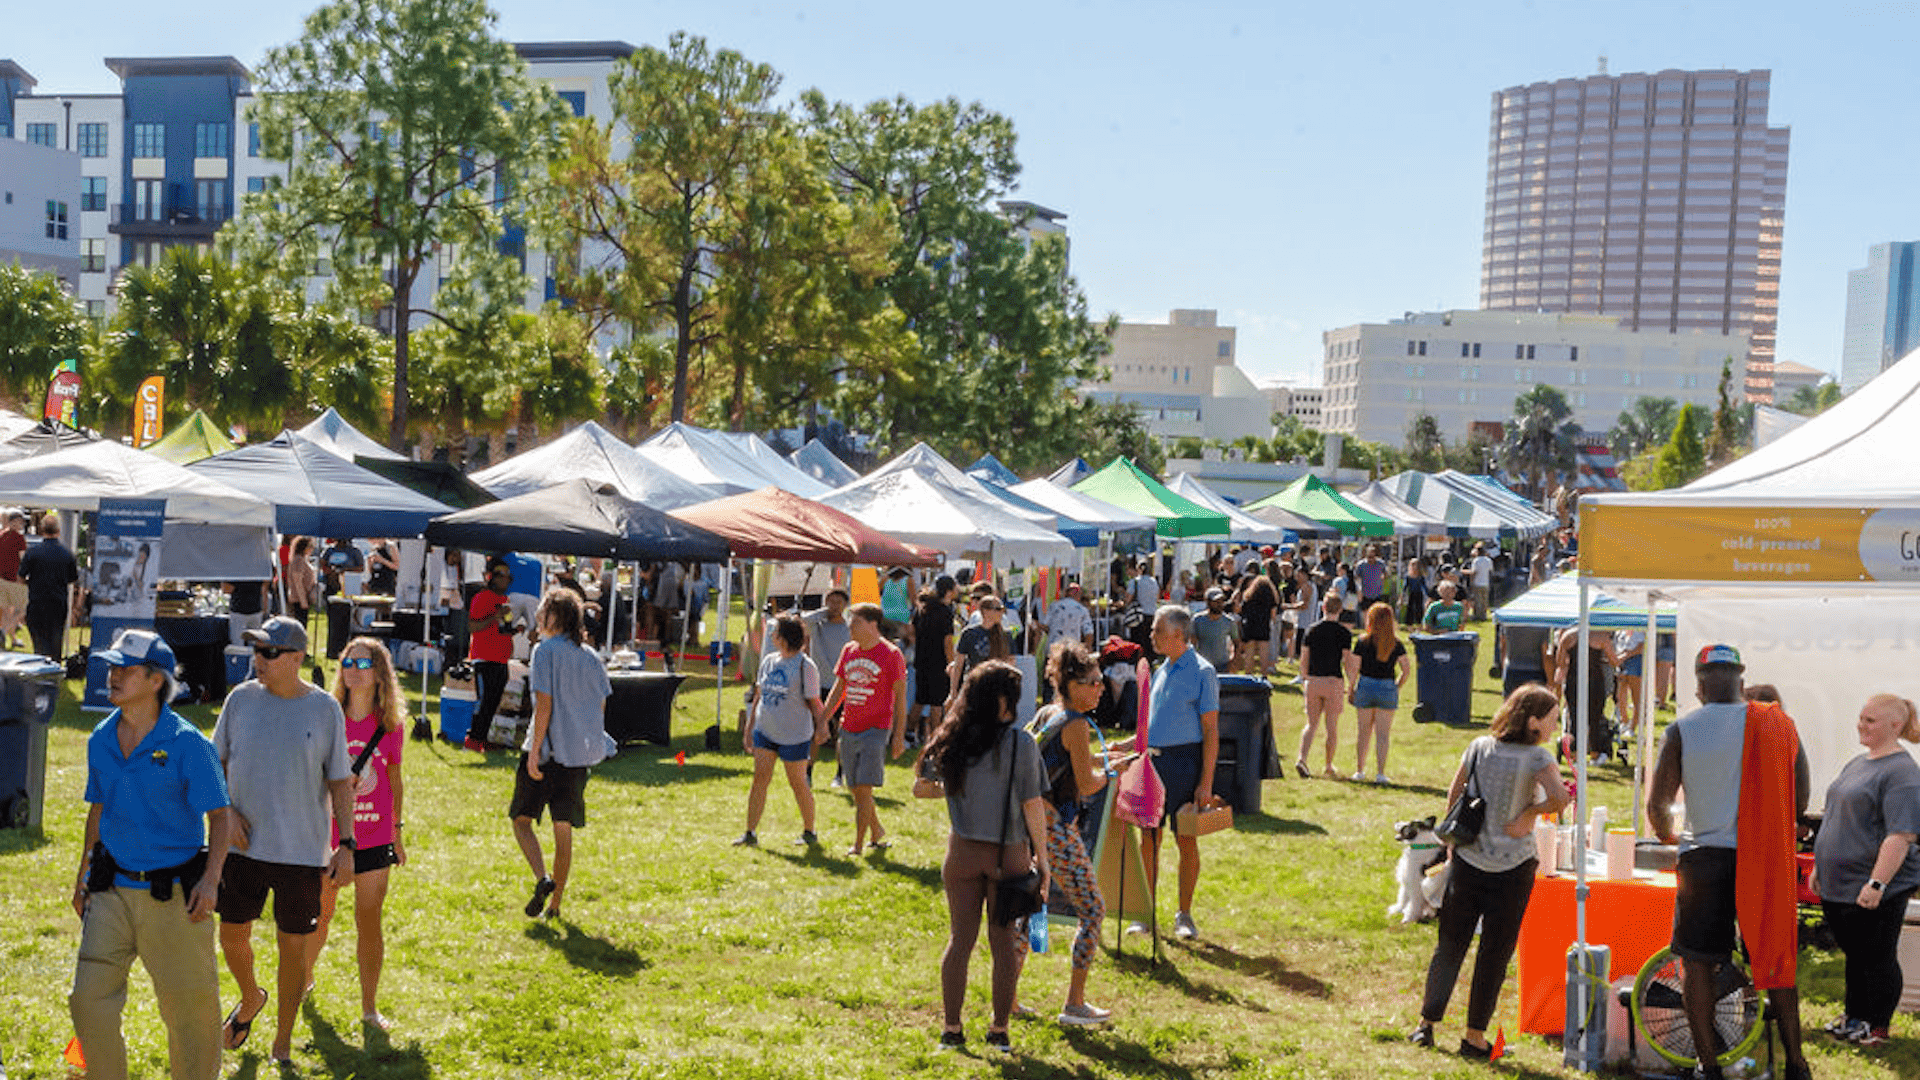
x,y
775,524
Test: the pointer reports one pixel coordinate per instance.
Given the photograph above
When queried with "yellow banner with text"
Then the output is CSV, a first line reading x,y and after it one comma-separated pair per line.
x,y
1749,543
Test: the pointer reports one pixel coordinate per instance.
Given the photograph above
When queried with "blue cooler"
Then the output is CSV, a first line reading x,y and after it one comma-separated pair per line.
x,y
1443,667
239,661
456,714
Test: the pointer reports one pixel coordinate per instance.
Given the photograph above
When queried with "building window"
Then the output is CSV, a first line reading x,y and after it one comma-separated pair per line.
x,y
97,310
210,140
43,134
1409,348
91,140
149,140
1519,352
146,201
1529,352
93,254
256,184
93,193
56,220
576,100
1423,348
1573,352
1463,350
1226,349
210,199
1476,350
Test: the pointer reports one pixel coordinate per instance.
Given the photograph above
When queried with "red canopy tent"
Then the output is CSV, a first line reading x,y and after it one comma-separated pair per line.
x,y
775,524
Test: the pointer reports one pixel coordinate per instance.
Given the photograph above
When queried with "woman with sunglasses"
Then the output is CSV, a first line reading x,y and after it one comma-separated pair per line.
x,y
369,694
1071,775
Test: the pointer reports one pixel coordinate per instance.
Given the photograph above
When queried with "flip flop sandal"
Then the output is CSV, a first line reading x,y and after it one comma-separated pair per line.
x,y
234,1031
880,845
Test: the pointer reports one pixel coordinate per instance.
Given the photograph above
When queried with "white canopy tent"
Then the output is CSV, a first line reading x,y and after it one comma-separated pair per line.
x,y
591,452
1099,513
333,434
1408,519
725,463
1242,528
927,461
918,507
215,531
780,472
822,464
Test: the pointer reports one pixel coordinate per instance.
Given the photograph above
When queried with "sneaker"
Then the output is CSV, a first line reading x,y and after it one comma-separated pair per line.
x,y
1421,1036
998,1042
1084,1015
1871,1036
474,745
953,1040
541,890
1183,927
1136,927
1358,778
747,839
1300,766
1839,1026
1475,1053
1381,779
805,839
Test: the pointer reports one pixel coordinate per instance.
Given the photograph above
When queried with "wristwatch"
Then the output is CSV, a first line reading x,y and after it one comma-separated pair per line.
x,y
1876,885
347,842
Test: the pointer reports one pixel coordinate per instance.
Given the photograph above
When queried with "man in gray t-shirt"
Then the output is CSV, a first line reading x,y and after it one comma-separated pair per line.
x,y
827,633
1216,631
568,737
283,743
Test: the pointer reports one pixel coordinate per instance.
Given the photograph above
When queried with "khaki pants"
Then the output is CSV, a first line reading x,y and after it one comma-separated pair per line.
x,y
124,923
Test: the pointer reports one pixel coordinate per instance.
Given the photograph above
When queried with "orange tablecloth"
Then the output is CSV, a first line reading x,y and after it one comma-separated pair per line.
x,y
1634,918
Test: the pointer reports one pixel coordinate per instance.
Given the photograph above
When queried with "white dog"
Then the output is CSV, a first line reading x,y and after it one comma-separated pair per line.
x,y
1419,896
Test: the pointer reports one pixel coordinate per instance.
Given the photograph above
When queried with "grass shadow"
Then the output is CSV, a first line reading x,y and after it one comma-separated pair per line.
x,y
21,841
1267,824
589,952
1417,789
928,876
1166,974
818,859
378,1056
1266,968
1121,1055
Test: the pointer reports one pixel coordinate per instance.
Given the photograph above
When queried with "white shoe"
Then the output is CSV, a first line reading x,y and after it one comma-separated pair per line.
x,y
1358,778
1183,927
1136,927
1084,1015
1381,779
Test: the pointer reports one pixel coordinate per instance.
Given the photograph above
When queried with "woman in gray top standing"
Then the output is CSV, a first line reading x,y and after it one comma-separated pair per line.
x,y
988,770
1492,878
1866,867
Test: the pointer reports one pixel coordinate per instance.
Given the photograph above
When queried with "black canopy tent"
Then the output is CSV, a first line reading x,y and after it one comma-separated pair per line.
x,y
434,479
577,517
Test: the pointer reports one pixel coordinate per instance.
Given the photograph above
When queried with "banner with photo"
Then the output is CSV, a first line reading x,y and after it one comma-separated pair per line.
x,y
124,577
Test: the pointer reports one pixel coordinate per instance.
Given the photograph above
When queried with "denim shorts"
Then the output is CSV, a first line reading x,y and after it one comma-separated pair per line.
x,y
1631,666
1371,693
796,751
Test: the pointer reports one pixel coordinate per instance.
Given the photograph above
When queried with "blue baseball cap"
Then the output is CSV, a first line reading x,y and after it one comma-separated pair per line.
x,y
140,647
1713,655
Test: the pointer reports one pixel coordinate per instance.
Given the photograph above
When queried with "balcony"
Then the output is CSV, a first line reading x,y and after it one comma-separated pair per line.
x,y
173,219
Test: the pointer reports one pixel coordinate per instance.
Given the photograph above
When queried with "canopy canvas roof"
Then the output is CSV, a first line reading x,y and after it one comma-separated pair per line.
x,y
43,437
817,461
775,524
1440,502
1242,527
991,470
316,493
1528,520
1301,526
916,506
1408,520
591,452
1556,603
1315,498
1125,484
436,480
577,517
1131,532
925,459
724,462
1072,472
191,439
331,432
13,423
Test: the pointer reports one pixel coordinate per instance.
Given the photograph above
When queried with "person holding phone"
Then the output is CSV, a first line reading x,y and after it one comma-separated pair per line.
x,y
491,629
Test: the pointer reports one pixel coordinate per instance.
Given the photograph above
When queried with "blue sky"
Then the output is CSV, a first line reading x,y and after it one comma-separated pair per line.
x,y
1297,166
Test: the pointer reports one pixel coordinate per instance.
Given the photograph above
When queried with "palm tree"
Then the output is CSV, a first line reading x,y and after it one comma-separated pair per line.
x,y
1646,422
1426,447
1540,440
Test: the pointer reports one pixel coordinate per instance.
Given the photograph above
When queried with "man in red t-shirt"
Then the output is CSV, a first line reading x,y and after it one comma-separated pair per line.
x,y
490,621
871,679
13,591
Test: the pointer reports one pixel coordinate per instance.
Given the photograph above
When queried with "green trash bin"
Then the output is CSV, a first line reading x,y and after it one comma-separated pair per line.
x,y
29,687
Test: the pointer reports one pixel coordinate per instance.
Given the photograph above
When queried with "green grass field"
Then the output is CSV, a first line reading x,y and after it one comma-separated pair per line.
x,y
681,956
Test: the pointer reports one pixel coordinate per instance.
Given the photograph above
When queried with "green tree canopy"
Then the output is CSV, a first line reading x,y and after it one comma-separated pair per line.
x,y
40,325
1813,400
1646,422
1426,447
1540,437
1684,457
410,132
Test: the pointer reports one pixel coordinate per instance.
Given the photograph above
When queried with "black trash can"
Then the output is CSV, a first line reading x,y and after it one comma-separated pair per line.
x,y
641,706
29,687
1247,751
1443,670
339,625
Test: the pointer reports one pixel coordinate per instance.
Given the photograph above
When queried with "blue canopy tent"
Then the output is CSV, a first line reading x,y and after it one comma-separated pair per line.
x,y
317,493
991,470
1556,603
923,459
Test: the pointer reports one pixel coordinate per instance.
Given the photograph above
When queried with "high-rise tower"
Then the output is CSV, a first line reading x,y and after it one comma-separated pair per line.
x,y
1658,198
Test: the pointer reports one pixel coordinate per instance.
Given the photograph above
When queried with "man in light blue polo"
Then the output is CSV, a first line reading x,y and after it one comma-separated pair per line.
x,y
1183,733
149,874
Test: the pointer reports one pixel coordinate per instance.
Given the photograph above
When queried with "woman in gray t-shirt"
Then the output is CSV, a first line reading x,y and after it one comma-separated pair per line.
x,y
988,770
1866,865
783,722
1491,879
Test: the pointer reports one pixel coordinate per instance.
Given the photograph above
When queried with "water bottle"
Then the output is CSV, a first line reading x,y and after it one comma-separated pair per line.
x,y
1037,929
1597,829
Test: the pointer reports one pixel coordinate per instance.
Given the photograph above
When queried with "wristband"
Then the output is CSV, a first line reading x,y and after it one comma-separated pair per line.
x,y
1876,885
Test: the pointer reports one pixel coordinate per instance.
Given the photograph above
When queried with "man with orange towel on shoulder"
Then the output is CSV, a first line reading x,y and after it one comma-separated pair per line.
x,y
1746,782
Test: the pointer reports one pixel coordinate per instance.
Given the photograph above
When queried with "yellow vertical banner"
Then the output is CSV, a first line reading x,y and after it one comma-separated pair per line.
x,y
149,408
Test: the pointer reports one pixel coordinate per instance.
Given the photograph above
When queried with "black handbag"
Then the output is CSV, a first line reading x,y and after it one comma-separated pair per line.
x,y
1468,814
1017,896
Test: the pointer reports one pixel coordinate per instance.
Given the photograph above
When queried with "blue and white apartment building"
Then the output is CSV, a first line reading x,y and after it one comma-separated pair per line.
x,y
167,159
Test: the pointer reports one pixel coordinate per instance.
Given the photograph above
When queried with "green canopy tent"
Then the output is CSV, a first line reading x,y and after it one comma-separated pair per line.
x,y
1176,517
192,439
1317,499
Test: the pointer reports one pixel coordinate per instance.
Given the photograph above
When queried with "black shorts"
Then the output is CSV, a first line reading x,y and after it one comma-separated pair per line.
x,y
1179,769
367,860
931,685
561,789
245,883
1703,921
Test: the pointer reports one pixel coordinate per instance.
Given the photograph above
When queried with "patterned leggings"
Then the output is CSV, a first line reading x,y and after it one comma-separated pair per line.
x,y
1073,874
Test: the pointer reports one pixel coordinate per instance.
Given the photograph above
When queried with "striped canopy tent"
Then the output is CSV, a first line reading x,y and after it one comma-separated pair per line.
x,y
1315,498
1556,603
1408,520
1177,517
1301,526
1438,501
1528,520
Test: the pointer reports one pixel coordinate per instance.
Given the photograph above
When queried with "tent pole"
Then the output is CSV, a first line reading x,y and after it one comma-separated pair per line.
x,y
1649,678
1580,989
720,642
633,623
426,624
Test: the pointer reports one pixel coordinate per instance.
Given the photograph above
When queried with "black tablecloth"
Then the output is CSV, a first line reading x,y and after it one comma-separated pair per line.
x,y
641,707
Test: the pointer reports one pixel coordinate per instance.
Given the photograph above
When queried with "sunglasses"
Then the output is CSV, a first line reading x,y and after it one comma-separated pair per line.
x,y
1091,680
358,663
269,652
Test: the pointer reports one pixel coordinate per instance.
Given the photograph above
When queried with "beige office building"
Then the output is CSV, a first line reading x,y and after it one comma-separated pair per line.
x,y
1181,376
1656,198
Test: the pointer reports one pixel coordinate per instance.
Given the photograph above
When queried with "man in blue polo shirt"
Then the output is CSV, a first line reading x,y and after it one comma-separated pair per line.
x,y
147,884
1183,732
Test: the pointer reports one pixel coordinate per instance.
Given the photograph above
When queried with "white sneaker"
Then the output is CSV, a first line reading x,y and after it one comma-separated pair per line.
x,y
1358,778
1136,927
1381,779
1084,1015
1183,927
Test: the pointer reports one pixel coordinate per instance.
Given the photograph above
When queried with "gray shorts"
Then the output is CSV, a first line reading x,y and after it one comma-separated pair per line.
x,y
863,757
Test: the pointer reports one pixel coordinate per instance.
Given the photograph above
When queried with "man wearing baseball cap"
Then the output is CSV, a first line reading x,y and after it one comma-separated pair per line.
x,y
1746,782
149,871
283,742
